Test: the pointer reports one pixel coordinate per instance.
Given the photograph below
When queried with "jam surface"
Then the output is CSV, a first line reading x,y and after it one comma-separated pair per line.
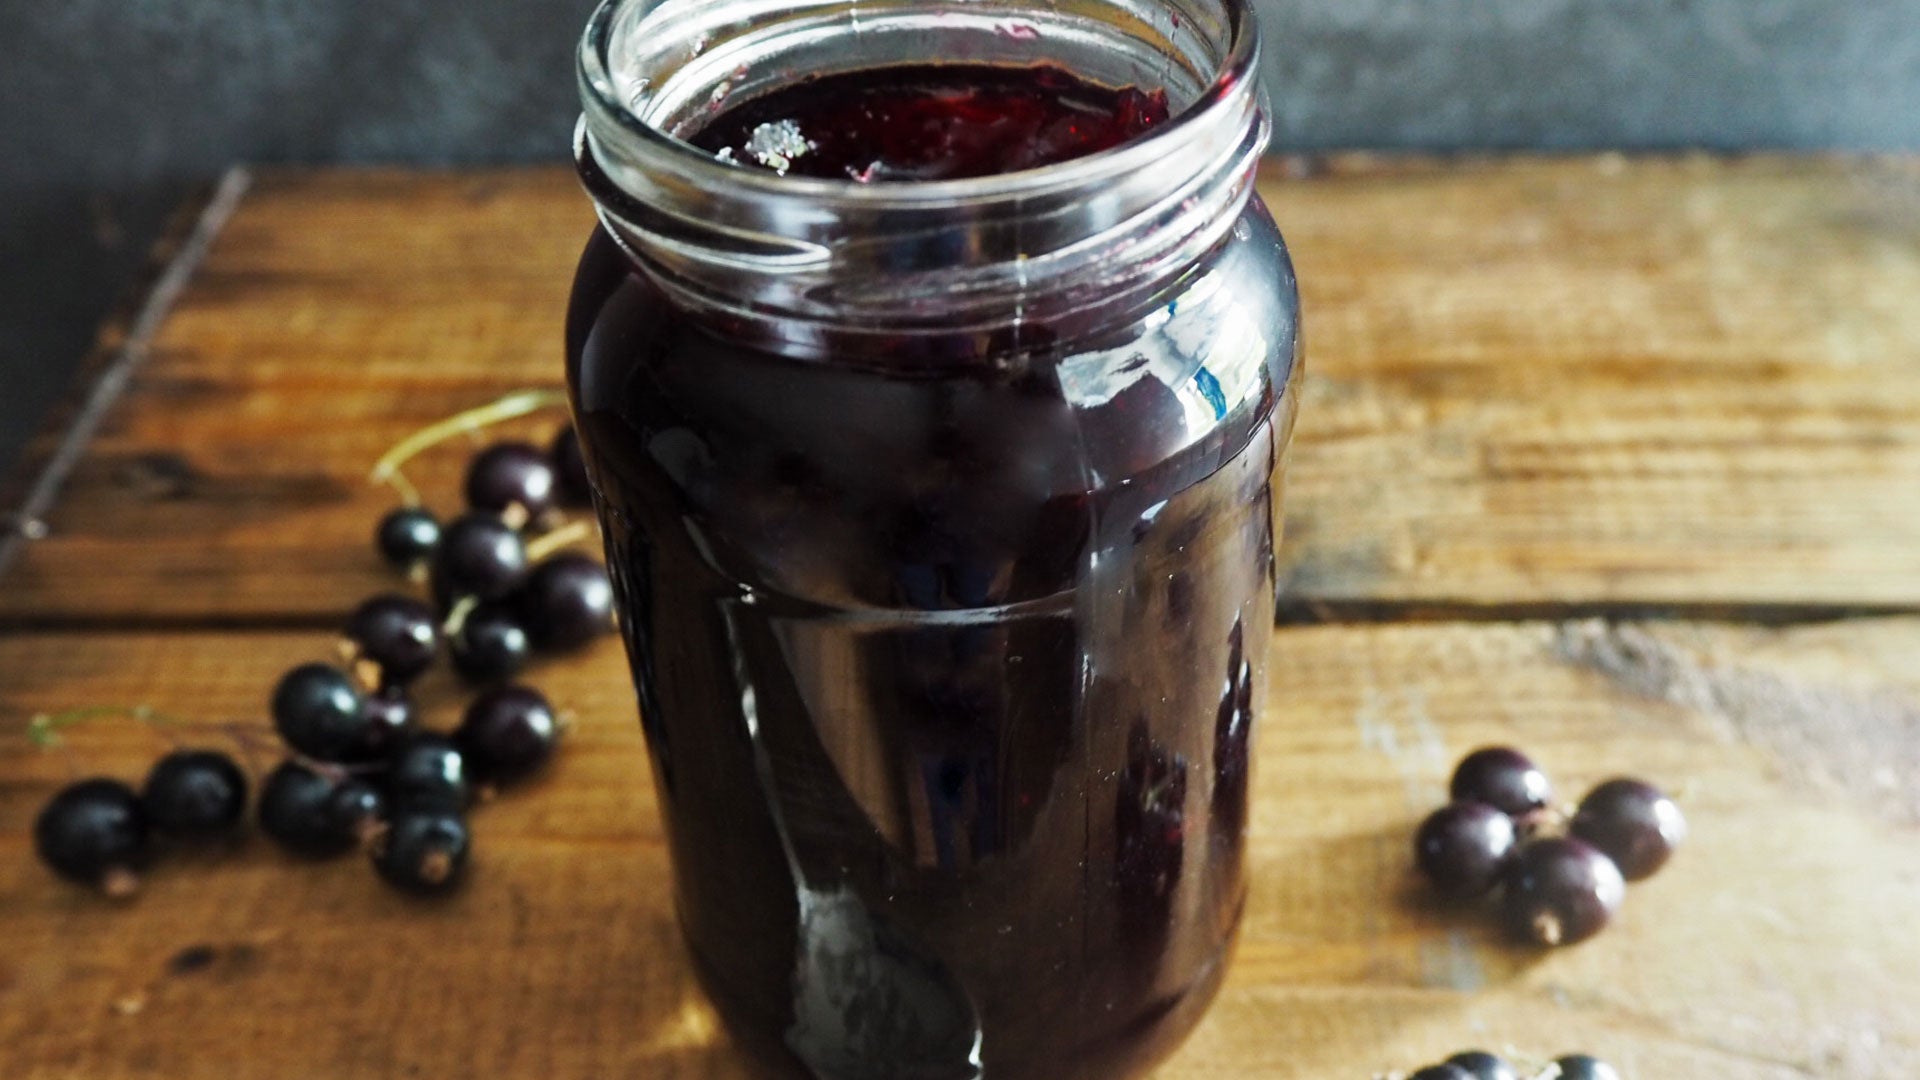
x,y
948,670
930,122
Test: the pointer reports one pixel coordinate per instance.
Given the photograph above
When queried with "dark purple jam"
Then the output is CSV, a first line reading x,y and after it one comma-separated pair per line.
x,y
948,653
931,122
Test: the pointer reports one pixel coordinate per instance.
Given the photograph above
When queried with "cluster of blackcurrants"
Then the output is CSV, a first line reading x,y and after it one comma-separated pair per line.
x,y
1561,876
362,771
1480,1065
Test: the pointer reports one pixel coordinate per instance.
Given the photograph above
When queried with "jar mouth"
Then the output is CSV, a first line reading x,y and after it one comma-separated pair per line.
x,y
935,256
608,108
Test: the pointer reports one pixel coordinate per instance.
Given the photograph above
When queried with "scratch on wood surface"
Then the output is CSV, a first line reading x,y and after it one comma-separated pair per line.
x,y
1420,758
1860,741
1450,962
29,520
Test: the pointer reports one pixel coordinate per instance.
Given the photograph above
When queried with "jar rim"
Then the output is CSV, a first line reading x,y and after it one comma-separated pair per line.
x,y
1238,67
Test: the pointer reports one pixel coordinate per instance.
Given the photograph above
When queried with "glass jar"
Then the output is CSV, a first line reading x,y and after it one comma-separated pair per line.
x,y
942,517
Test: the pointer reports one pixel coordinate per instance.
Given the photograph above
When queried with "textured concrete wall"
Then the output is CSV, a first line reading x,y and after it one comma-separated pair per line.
x,y
109,109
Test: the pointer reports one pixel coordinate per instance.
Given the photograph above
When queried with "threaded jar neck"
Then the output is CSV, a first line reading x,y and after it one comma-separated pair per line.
x,y
825,256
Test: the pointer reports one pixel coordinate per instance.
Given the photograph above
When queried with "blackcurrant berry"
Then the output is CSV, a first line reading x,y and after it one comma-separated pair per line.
x,y
94,832
1504,779
1442,1072
1636,825
570,469
424,849
194,793
511,475
389,718
1583,1067
566,602
479,556
309,813
1560,891
407,536
396,632
357,806
320,712
490,645
507,733
1463,847
428,769
1481,1065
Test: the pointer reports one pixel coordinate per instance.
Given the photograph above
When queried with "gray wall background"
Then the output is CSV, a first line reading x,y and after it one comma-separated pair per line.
x,y
111,111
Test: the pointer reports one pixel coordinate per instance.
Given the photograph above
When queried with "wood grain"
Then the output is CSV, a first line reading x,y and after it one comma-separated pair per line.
x,y
1594,381
1777,946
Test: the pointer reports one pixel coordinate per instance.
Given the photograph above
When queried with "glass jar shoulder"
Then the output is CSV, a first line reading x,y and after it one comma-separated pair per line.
x,y
1206,358
840,482
1188,381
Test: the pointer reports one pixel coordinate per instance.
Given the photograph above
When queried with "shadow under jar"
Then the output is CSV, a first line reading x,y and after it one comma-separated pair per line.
x,y
940,499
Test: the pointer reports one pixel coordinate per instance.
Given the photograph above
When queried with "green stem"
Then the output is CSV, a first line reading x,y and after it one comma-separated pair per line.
x,y
518,403
44,728
456,620
571,533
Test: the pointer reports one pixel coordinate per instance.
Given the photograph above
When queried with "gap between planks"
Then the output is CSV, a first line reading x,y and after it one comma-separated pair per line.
x,y
26,522
1292,612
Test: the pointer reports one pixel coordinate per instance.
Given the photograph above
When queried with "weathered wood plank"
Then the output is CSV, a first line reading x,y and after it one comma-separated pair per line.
x,y
1603,380
1534,382
1775,947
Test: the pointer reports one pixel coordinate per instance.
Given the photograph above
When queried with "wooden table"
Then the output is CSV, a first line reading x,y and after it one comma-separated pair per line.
x,y
1615,459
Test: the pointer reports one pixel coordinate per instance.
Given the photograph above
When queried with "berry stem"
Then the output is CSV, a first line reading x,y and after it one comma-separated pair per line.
x,y
43,730
456,620
571,533
397,480
518,403
335,771
251,740
120,883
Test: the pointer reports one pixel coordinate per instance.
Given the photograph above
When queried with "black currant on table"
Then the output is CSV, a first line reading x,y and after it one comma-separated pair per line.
x,y
1463,848
1634,823
357,807
489,644
194,793
398,633
389,718
570,469
313,813
94,832
320,712
423,849
512,478
566,602
1441,1072
479,556
507,733
428,769
1560,878
1560,890
1480,1065
1584,1067
407,537
1504,779
361,772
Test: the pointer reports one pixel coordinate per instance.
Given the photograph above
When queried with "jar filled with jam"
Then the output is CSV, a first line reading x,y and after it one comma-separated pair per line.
x,y
935,363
